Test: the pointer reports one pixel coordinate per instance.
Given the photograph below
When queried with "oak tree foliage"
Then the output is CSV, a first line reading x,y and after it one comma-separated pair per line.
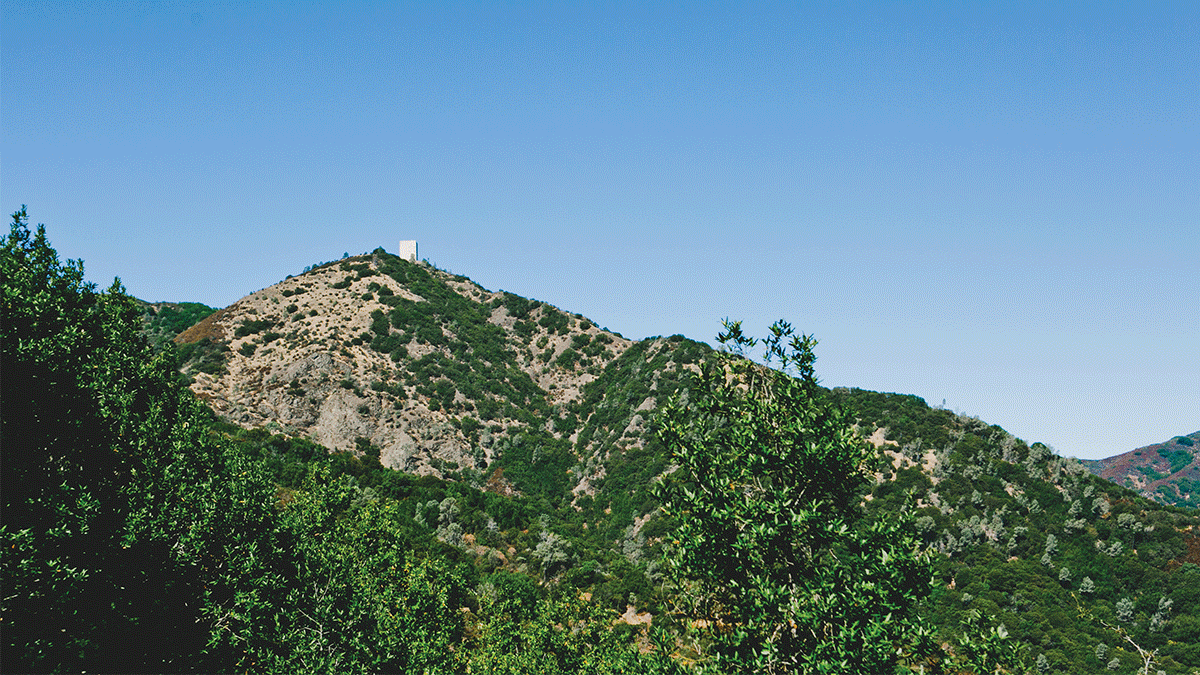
x,y
777,566
102,457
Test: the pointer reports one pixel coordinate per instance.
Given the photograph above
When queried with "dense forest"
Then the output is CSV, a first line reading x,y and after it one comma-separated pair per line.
x,y
749,528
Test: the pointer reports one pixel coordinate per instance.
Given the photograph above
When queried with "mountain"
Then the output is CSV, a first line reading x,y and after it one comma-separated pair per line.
x,y
495,392
520,528
445,377
1168,472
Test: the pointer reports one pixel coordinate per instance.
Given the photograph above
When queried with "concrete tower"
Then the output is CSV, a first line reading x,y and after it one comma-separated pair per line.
x,y
408,250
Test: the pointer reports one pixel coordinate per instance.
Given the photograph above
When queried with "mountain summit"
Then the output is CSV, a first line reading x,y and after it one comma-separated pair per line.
x,y
428,366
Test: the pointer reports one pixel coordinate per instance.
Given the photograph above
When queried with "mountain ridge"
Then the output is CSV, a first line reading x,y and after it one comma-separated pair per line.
x,y
512,396
1167,472
426,365
334,359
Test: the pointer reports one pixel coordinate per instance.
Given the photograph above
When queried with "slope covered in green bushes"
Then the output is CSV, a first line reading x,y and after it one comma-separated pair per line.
x,y
141,533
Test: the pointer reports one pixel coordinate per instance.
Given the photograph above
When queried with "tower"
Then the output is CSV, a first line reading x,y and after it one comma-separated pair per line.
x,y
408,250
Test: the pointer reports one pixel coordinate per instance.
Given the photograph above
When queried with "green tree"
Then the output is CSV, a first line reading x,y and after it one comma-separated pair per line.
x,y
985,650
773,555
562,634
358,600
102,452
132,540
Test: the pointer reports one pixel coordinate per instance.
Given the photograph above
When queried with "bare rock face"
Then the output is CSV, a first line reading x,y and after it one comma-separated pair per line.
x,y
398,353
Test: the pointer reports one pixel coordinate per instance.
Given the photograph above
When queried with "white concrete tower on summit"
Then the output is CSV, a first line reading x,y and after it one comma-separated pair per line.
x,y
408,250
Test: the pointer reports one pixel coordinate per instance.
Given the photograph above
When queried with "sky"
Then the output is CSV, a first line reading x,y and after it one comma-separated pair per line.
x,y
993,206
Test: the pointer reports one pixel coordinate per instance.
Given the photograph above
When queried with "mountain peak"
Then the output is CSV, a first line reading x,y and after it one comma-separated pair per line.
x,y
400,353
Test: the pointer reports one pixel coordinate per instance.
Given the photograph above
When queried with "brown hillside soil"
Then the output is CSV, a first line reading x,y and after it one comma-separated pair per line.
x,y
209,328
1190,555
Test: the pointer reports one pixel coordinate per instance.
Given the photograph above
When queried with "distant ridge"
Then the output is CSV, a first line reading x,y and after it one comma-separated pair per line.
x,y
1167,472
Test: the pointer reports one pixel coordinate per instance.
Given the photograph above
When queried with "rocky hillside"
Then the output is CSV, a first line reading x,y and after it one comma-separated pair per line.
x,y
512,396
439,373
1167,472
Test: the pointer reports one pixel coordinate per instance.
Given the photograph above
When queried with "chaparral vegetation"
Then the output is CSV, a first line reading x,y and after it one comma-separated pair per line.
x,y
379,466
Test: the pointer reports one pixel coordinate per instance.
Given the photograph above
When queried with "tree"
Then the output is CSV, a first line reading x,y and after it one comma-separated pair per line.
x,y
1125,607
773,556
560,634
131,540
101,451
982,649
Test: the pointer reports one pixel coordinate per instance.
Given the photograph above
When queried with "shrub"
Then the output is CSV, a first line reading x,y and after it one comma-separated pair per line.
x,y
249,327
379,323
518,307
567,359
554,322
525,329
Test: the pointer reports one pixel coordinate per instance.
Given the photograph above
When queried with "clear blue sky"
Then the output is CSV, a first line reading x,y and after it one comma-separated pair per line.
x,y
992,204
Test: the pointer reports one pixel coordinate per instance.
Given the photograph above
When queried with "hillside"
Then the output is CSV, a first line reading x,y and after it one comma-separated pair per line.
x,y
1167,472
446,378
376,347
1036,541
411,473
518,397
